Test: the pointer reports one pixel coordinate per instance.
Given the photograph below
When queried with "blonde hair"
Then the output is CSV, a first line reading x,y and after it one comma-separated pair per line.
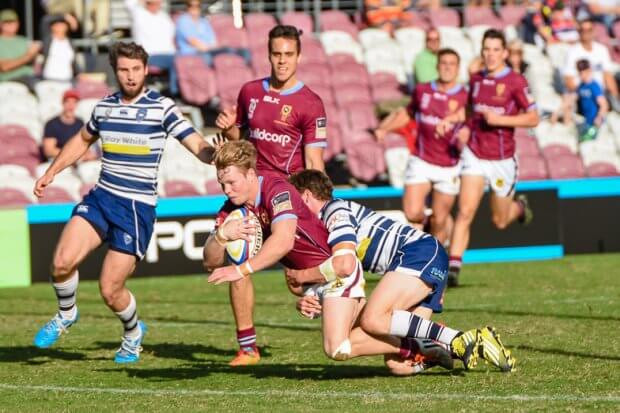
x,y
241,154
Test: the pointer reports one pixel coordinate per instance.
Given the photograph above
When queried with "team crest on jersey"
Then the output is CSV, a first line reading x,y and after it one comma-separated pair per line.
x,y
285,112
499,89
252,108
453,104
281,202
426,100
141,114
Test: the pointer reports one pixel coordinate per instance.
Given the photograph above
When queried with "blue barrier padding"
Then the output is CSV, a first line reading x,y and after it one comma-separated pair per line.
x,y
208,205
530,253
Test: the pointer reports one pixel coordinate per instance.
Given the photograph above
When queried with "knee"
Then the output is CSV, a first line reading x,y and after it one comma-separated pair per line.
x,y
62,264
337,350
371,324
110,294
466,215
499,221
414,214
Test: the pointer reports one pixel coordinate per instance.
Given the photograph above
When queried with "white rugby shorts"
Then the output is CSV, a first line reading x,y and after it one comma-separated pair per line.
x,y
500,175
445,179
351,286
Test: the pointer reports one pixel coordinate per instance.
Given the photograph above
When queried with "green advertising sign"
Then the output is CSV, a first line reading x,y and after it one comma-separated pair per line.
x,y
14,249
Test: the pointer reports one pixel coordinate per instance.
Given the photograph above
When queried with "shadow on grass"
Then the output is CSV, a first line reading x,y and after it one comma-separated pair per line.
x,y
182,351
533,314
36,356
557,351
317,372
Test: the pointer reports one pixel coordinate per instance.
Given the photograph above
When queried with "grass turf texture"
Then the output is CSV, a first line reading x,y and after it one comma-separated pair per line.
x,y
560,318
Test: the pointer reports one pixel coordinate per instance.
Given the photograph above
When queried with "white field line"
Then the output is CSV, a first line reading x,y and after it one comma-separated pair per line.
x,y
295,394
560,301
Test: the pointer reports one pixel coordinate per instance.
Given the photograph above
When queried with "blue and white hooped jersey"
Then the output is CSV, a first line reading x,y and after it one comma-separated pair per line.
x,y
377,237
133,138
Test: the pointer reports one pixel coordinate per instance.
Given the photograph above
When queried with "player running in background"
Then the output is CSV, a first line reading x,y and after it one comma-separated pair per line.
x,y
413,266
133,125
296,238
500,102
439,110
286,122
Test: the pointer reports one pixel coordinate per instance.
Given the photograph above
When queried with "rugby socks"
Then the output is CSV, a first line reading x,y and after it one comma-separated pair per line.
x,y
455,262
247,339
405,324
407,347
129,318
66,293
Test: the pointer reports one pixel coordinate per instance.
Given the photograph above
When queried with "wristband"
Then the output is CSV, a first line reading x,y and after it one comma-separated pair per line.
x,y
244,269
220,238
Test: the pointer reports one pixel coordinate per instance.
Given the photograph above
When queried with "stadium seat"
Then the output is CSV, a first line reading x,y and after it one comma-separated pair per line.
x,y
336,41
527,146
24,184
231,36
410,37
553,150
11,197
312,51
350,74
361,116
12,89
388,51
600,169
596,151
85,189
475,34
180,188
89,171
352,94
12,171
420,21
396,69
29,162
372,37
334,142
258,22
512,14
365,159
94,90
481,15
565,167
56,194
48,109
51,90
445,17
213,187
301,20
383,79
336,20
532,168
85,108
196,80
324,92
225,61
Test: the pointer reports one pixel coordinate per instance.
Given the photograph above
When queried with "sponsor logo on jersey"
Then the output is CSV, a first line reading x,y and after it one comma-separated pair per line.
x,y
439,96
263,135
476,89
285,111
124,112
321,128
271,99
252,107
281,202
426,100
481,107
429,119
141,114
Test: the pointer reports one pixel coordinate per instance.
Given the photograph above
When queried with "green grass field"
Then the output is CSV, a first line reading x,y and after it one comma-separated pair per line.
x,y
561,319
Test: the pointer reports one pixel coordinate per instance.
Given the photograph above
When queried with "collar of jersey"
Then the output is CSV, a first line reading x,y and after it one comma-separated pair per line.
x,y
501,74
284,92
450,91
260,185
119,97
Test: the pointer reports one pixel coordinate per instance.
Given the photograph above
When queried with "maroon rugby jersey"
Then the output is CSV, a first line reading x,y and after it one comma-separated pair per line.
x,y
281,124
506,93
429,106
277,200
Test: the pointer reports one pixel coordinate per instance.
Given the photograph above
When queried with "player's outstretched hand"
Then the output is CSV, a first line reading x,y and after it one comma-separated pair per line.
x,y
225,274
309,306
227,118
238,229
41,183
218,140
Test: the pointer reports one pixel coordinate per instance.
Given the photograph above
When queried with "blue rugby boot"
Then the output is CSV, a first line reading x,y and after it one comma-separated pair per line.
x,y
130,349
52,330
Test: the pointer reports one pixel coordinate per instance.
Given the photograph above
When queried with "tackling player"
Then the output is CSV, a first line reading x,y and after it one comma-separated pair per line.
x,y
500,102
133,125
296,238
286,122
414,268
439,110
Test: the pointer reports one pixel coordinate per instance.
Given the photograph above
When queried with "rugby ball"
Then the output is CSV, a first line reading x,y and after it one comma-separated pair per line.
x,y
240,250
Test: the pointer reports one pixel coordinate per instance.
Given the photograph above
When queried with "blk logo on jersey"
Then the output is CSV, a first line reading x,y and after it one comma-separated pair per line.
x,y
271,99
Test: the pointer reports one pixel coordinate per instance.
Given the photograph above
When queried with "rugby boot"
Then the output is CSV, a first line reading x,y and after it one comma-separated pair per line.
x,y
53,329
465,347
528,214
492,350
245,357
130,349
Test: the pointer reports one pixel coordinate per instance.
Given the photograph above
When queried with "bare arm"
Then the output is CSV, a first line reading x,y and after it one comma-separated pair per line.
x,y
603,109
213,255
343,265
7,65
528,119
70,154
226,121
196,144
314,158
610,84
570,83
50,148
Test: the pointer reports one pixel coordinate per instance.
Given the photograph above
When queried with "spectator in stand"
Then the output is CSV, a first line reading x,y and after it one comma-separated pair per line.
x,y
153,29
59,57
16,52
93,15
600,63
69,10
63,127
549,21
425,65
591,102
604,11
194,35
388,15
